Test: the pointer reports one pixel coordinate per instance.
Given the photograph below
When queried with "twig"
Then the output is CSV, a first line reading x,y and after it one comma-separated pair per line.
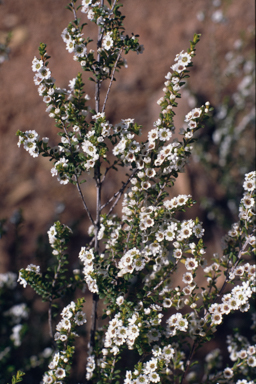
x,y
77,181
83,200
234,266
113,6
119,194
232,269
74,10
98,82
112,370
108,169
50,318
188,362
163,280
161,190
111,81
50,299
97,175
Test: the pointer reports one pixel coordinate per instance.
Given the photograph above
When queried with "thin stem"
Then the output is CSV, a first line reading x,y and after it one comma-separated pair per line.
x,y
111,81
168,272
188,362
227,272
98,82
50,318
119,193
108,169
113,6
97,176
51,298
77,181
112,370
74,10
83,200
234,266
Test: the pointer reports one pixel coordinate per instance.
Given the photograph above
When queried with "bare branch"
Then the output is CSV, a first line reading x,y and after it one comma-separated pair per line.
x,y
113,6
50,318
119,193
83,200
163,280
77,181
112,78
188,362
95,297
74,10
51,298
112,369
108,169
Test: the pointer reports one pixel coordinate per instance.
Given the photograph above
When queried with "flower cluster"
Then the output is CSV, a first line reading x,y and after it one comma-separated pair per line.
x,y
118,334
29,139
237,299
90,366
72,316
87,256
240,348
148,372
247,206
74,43
56,235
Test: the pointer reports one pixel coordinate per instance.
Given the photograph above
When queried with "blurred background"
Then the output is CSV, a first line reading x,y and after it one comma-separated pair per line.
x,y
223,73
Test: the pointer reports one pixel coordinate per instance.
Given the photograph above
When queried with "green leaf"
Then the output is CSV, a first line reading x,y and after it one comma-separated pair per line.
x,y
18,377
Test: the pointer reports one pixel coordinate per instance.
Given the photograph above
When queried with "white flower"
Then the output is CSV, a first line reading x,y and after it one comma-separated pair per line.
x,y
248,201
65,35
185,58
187,278
120,300
90,149
37,64
167,303
70,47
228,373
153,135
186,232
44,72
216,318
170,232
191,264
80,50
150,172
177,253
60,373
179,67
251,361
80,318
168,352
33,268
90,14
107,42
22,281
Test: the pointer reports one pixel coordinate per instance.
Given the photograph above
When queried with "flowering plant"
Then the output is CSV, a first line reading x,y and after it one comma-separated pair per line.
x,y
133,263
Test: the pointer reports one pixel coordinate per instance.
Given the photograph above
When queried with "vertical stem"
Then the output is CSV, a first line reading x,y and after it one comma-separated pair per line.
x,y
98,83
188,362
50,318
97,177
